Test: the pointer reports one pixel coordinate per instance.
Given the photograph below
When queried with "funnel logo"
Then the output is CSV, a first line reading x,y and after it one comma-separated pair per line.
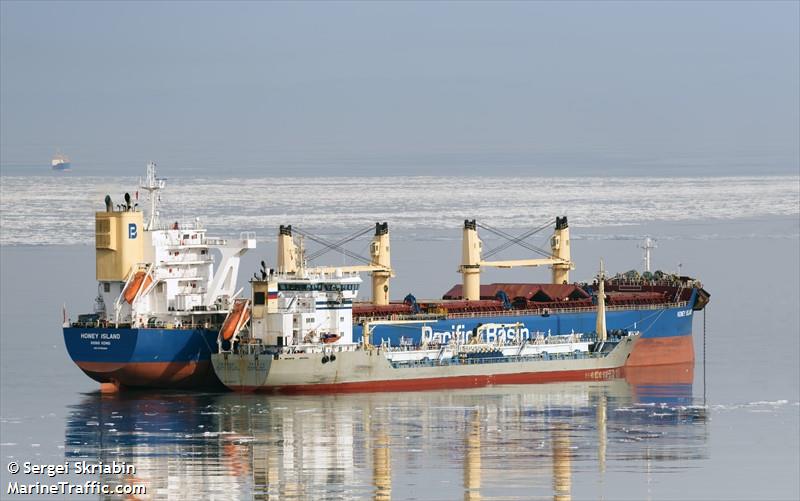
x,y
132,231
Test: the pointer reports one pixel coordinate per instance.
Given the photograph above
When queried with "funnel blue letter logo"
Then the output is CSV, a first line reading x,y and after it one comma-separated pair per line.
x,y
132,231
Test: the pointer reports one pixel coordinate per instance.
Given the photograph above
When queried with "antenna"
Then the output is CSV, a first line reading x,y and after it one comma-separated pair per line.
x,y
152,184
648,244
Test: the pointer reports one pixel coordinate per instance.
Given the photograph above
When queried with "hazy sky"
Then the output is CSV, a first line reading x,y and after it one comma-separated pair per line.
x,y
394,88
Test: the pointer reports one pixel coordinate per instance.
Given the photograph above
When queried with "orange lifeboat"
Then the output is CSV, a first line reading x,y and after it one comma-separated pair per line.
x,y
330,338
141,280
236,318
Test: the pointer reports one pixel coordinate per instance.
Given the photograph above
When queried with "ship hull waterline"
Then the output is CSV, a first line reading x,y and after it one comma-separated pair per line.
x,y
180,358
144,357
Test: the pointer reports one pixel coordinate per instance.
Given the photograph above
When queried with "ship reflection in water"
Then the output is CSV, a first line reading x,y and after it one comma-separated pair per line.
x,y
530,441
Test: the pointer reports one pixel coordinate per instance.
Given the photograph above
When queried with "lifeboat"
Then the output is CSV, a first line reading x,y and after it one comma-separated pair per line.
x,y
330,338
239,314
141,280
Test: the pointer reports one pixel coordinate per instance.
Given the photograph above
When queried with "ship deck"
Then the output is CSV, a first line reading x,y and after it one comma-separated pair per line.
x,y
456,361
544,311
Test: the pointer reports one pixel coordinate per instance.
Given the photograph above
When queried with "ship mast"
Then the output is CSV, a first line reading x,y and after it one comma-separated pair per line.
x,y
152,184
648,245
601,305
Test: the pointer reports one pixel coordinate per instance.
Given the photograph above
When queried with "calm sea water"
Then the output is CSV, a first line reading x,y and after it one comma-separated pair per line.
x,y
644,437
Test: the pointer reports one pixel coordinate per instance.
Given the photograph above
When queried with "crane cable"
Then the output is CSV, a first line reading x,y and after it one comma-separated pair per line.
x,y
516,240
336,246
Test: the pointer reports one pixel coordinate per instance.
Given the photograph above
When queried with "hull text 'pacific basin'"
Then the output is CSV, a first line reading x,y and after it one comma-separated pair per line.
x,y
306,333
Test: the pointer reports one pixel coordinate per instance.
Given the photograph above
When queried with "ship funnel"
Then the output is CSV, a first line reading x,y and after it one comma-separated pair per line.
x,y
119,244
381,256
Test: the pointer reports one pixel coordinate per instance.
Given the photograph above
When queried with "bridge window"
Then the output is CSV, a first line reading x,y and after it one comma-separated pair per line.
x,y
308,287
259,298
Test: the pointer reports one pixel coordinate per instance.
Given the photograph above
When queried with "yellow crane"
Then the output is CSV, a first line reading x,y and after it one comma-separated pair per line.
x,y
472,261
291,258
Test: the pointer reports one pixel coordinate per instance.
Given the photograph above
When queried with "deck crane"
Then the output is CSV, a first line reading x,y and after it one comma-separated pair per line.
x,y
292,259
472,259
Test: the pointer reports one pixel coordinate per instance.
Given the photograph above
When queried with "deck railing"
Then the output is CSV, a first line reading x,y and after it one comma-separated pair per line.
x,y
529,312
497,360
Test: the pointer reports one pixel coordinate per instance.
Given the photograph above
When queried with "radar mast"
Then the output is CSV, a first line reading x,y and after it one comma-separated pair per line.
x,y
648,245
152,184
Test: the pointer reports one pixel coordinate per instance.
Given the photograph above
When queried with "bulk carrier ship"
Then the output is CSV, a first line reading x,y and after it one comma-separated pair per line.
x,y
163,294
168,315
305,332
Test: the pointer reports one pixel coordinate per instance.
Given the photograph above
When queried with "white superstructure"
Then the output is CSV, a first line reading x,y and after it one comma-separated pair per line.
x,y
59,159
184,277
60,162
308,307
311,311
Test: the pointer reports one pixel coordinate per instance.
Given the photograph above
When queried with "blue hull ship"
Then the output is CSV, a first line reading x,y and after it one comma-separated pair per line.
x,y
168,303
164,292
144,357
666,330
60,163
180,358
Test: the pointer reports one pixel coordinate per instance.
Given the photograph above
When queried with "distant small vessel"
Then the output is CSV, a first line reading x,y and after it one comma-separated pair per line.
x,y
60,162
